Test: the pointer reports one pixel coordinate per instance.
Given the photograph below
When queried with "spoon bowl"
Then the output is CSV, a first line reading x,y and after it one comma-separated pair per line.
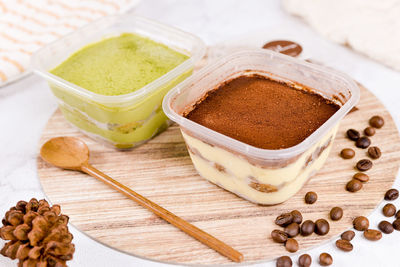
x,y
65,152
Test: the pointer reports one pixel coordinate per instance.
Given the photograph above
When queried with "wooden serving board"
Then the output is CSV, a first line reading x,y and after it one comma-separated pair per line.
x,y
162,171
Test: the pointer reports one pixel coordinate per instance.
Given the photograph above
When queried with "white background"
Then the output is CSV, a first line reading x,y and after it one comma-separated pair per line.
x,y
25,107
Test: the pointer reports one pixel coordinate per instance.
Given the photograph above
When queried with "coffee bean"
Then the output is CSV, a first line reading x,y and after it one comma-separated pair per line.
x,y
389,210
292,229
292,245
369,131
279,236
297,217
396,224
336,213
348,235
353,134
311,197
376,122
364,165
284,219
372,234
321,227
325,259
361,223
386,227
347,153
307,228
284,261
363,142
374,152
398,214
353,109
354,185
344,245
362,177
305,260
392,194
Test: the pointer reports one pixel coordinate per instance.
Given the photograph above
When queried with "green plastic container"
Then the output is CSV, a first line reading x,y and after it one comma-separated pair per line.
x,y
128,120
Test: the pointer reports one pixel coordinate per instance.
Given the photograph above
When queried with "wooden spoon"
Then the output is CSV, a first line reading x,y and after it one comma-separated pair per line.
x,y
73,154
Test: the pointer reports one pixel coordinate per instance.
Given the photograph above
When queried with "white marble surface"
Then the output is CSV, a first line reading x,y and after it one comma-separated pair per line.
x,y
25,107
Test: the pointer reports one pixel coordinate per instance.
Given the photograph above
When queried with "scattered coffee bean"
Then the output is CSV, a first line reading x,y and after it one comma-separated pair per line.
x,y
364,165
321,227
297,217
353,109
292,245
389,210
363,142
336,213
348,235
305,260
398,214
353,134
376,122
369,131
372,234
325,259
292,229
284,219
284,261
374,152
386,227
362,177
344,245
307,228
311,197
279,236
361,223
392,194
347,153
396,224
354,185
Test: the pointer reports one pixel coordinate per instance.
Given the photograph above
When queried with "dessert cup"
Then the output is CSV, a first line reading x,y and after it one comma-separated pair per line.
x,y
261,176
124,120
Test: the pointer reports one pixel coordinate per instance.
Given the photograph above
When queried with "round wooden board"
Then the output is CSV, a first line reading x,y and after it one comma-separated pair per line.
x,y
162,171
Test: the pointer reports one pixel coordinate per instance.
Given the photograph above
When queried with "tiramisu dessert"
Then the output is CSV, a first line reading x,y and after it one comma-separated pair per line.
x,y
262,112
266,114
258,123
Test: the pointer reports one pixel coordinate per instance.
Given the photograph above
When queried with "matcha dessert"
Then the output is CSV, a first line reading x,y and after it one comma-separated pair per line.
x,y
119,65
112,68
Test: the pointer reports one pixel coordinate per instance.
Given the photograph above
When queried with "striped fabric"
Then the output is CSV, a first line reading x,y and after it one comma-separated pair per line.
x,y
27,25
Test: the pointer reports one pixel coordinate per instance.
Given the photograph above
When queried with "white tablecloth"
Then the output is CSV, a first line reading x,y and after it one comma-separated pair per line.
x,y
25,107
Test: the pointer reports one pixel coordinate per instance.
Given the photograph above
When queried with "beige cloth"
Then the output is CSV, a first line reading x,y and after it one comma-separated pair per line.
x,y
368,26
26,26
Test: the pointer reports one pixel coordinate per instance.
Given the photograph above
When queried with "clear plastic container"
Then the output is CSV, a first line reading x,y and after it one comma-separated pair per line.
x,y
260,175
122,120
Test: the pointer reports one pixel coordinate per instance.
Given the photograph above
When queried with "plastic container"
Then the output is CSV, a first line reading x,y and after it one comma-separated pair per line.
x,y
260,175
122,120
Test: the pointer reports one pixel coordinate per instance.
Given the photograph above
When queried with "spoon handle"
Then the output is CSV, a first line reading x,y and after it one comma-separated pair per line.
x,y
185,226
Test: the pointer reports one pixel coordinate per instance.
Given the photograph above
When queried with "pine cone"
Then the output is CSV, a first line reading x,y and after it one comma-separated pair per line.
x,y
38,235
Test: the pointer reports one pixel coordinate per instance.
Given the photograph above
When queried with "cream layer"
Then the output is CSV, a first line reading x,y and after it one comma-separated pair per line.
x,y
263,185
